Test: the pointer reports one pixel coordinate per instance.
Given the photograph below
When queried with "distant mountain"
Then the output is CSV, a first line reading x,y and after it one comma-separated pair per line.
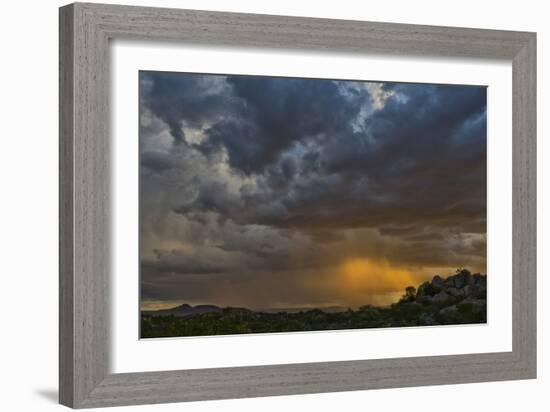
x,y
183,310
186,310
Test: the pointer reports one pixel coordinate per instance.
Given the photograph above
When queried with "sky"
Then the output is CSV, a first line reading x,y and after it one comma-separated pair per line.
x,y
270,192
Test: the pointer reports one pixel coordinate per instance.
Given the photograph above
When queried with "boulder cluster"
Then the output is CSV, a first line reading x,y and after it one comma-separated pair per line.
x,y
460,298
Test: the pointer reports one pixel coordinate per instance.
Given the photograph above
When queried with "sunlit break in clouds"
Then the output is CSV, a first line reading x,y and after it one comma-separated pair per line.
x,y
266,192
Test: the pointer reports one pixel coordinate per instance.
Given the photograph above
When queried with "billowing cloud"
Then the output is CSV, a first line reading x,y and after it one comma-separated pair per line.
x,y
253,184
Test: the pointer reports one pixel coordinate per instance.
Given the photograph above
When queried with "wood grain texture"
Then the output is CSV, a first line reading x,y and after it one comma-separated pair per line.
x,y
84,90
85,31
524,225
66,229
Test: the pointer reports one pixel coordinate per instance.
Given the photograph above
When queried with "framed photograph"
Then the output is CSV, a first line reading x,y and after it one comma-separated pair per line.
x,y
256,205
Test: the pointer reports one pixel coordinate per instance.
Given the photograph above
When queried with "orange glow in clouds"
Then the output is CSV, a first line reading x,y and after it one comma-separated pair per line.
x,y
377,276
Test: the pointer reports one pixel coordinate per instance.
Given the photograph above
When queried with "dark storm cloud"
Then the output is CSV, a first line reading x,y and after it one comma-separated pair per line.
x,y
424,152
281,177
421,156
156,160
253,118
182,100
182,265
276,114
423,129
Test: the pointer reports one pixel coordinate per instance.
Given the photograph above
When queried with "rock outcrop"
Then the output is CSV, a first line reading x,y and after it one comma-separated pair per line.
x,y
460,298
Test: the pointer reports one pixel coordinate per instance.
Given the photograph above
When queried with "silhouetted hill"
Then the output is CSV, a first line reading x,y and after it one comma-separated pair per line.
x,y
183,310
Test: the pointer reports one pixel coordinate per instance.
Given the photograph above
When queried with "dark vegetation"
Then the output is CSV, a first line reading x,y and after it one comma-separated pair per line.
x,y
458,299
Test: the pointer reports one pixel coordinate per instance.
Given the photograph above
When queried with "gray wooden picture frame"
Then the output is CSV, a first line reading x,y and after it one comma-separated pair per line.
x,y
85,31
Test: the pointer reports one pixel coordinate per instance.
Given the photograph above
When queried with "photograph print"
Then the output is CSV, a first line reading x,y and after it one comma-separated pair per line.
x,y
273,204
